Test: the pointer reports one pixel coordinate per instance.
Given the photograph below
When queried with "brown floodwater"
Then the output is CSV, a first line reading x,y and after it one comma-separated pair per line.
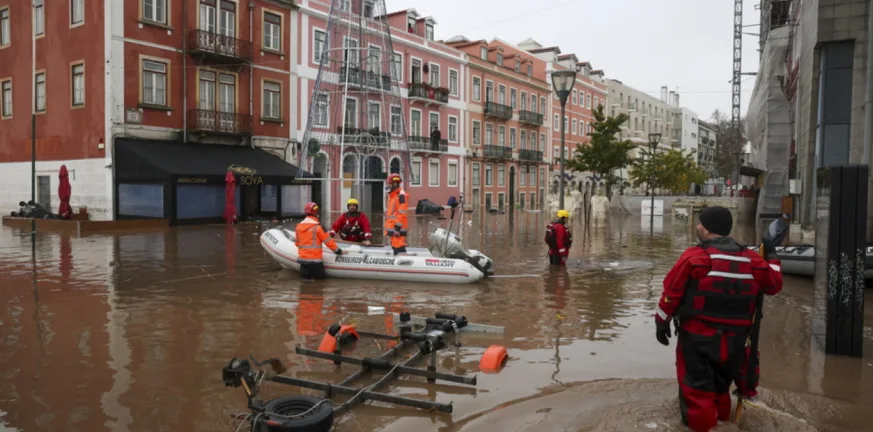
x,y
130,332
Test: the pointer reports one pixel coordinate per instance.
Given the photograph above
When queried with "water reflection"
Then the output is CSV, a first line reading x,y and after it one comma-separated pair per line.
x,y
128,332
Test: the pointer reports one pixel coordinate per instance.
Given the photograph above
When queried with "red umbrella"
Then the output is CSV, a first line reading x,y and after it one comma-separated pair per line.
x,y
64,192
229,198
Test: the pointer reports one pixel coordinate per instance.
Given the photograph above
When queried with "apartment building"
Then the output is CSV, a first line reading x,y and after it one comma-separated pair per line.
x,y
706,148
507,132
138,118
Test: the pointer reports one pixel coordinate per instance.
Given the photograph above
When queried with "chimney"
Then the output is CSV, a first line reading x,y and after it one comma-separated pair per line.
x,y
670,99
677,100
663,93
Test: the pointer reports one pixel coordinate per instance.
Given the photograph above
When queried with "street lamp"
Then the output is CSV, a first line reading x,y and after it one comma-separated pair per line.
x,y
654,139
563,81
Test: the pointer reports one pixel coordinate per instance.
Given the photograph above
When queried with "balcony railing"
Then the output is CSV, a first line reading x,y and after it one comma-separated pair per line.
x,y
530,117
364,78
428,93
498,110
217,122
214,44
423,143
372,137
530,155
497,152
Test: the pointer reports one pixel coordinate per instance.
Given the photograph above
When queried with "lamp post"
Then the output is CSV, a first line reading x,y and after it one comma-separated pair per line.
x,y
654,139
33,6
563,81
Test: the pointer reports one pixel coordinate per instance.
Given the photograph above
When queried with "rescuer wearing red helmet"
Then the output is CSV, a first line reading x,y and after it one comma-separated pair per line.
x,y
396,221
352,225
310,237
712,290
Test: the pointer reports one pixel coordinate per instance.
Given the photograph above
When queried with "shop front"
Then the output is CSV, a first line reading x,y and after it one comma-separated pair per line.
x,y
185,183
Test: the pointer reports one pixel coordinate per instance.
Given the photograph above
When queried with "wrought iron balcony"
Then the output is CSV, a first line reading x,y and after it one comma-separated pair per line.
x,y
497,110
370,137
364,78
202,42
219,123
423,143
428,93
530,155
497,152
530,117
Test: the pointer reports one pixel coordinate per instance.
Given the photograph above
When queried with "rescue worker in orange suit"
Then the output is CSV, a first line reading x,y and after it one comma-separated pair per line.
x,y
559,238
712,290
310,237
352,225
396,221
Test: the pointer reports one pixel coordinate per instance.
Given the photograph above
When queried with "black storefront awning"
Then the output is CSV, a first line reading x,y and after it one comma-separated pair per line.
x,y
172,161
750,172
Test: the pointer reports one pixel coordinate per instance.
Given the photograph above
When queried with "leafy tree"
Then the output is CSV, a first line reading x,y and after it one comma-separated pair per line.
x,y
672,170
726,142
605,153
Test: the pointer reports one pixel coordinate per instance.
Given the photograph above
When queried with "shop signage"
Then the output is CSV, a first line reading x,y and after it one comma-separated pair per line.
x,y
439,263
365,259
247,175
196,180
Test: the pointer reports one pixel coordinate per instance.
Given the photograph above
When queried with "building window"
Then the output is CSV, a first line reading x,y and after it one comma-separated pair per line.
x,y
156,11
517,65
453,82
512,98
6,98
499,59
222,100
530,74
533,177
154,83
321,105
38,18
555,124
40,92
574,97
415,124
374,115
433,173
523,139
319,40
452,174
512,137
587,101
476,174
566,123
453,129
351,115
477,130
501,136
396,67
521,196
533,141
272,31
374,60
489,175
483,53
533,103
523,101
542,142
415,77
489,91
4,26
501,95
77,12
434,75
501,175
272,100
543,105
434,121
477,89
416,173
489,134
396,121
368,9
351,53
428,32
77,84
597,102
574,129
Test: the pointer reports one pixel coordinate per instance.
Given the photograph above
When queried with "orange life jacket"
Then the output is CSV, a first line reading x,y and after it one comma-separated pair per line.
x,y
310,237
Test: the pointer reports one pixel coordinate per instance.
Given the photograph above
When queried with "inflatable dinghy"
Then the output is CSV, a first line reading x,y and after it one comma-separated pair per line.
x,y
445,261
799,260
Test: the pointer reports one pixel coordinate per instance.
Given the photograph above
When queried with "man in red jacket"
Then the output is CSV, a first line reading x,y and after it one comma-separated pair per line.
x,y
559,239
352,226
712,291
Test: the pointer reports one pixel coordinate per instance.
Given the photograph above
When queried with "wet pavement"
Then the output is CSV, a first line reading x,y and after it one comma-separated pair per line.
x,y
130,332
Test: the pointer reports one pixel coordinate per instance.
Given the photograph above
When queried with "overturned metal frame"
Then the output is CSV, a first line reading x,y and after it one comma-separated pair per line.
x,y
429,333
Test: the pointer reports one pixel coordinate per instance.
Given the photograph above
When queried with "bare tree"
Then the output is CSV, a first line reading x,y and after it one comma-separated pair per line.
x,y
727,144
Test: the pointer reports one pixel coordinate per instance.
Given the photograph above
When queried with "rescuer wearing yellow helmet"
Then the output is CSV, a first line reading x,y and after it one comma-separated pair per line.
x,y
559,239
353,225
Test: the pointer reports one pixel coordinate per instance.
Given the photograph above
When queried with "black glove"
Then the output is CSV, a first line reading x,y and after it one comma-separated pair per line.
x,y
769,249
338,251
662,331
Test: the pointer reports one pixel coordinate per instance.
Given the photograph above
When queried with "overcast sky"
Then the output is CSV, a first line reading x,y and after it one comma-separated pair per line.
x,y
683,44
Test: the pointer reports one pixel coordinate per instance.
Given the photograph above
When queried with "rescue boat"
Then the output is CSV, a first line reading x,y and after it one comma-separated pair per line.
x,y
445,261
799,260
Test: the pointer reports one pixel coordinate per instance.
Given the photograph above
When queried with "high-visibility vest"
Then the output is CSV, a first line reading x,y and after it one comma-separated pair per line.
x,y
398,205
310,237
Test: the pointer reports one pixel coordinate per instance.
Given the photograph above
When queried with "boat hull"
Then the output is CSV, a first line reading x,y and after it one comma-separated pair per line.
x,y
373,262
799,260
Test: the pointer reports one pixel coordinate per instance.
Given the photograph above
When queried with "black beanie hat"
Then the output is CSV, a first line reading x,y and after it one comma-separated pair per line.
x,y
717,220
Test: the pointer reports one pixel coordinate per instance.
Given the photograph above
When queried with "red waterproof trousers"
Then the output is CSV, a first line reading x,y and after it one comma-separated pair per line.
x,y
707,360
747,385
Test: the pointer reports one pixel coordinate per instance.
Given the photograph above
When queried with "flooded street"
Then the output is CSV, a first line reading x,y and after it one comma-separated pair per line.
x,y
130,333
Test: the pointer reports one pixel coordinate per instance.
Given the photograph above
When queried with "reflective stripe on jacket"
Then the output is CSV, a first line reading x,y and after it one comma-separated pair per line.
x,y
310,237
398,205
